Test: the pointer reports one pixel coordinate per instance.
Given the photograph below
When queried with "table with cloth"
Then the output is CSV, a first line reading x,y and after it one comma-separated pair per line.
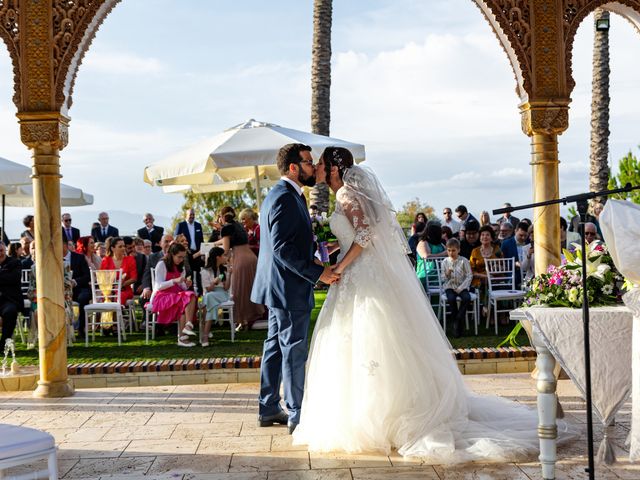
x,y
557,334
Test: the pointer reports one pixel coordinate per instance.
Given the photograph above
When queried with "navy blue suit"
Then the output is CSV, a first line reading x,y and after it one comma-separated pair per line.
x,y
97,235
510,250
284,281
184,230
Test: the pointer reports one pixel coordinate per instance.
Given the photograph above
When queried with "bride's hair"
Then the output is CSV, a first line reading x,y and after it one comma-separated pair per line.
x,y
339,157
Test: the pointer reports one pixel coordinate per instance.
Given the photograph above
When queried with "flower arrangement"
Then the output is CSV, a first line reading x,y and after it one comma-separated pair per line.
x,y
323,235
562,286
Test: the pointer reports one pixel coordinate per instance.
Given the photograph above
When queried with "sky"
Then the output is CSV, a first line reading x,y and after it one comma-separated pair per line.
x,y
424,85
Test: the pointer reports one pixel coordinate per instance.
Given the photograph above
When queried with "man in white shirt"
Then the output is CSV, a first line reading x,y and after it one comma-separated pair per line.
x,y
449,221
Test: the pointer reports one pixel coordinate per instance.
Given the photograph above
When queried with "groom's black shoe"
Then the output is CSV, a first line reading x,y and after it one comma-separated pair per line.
x,y
268,420
291,427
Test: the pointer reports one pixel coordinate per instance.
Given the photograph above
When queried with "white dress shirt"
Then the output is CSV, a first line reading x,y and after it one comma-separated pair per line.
x,y
192,233
295,185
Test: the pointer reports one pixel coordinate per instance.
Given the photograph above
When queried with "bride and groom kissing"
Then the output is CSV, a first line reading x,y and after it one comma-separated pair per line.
x,y
380,374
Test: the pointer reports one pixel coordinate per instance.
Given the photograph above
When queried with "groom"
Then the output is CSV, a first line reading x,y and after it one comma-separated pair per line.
x,y
284,283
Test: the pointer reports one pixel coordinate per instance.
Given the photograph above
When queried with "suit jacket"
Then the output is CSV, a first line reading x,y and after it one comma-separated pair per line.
x,y
75,234
81,272
152,261
286,271
11,282
509,249
184,230
96,233
155,236
141,266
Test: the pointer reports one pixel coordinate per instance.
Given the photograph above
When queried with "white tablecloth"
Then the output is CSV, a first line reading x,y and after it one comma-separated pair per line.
x,y
561,329
632,300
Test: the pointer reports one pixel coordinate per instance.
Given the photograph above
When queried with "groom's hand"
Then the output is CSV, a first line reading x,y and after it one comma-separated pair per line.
x,y
329,276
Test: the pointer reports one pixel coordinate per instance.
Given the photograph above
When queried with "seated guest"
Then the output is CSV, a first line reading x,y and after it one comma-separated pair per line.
x,y
507,217
429,247
484,218
449,221
527,221
29,232
28,260
513,247
215,287
470,239
141,262
154,259
11,301
506,231
567,239
151,232
487,250
100,249
115,259
81,288
25,242
147,247
457,276
419,218
171,297
415,238
590,233
464,216
447,233
16,251
528,261
249,220
191,256
86,246
244,266
496,228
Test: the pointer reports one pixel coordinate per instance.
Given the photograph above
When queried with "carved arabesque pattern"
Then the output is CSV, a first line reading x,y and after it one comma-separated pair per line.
x,y
10,33
75,24
514,18
574,12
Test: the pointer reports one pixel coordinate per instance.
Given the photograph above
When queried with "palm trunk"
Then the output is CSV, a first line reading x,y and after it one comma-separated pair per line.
x,y
321,86
599,168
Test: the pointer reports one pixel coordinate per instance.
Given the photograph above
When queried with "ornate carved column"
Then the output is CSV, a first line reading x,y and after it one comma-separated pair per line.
x,y
45,134
543,123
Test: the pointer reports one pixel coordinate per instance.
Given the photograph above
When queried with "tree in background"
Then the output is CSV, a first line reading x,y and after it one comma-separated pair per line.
x,y
207,205
629,172
599,155
321,86
409,210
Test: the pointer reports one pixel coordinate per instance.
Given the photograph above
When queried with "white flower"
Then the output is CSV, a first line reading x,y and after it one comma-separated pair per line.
x,y
607,289
597,269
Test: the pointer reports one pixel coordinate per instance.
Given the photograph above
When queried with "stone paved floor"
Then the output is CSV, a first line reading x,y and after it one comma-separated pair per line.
x,y
208,432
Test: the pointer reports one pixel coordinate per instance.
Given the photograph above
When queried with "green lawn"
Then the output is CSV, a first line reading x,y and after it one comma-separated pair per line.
x,y
106,349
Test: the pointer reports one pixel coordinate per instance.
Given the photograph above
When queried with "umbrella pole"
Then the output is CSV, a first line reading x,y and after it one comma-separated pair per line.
x,y
258,193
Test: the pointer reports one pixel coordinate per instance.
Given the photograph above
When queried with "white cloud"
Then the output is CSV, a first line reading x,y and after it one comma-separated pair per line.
x,y
120,63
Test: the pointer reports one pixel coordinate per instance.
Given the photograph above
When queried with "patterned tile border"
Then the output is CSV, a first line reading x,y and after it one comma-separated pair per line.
x,y
181,365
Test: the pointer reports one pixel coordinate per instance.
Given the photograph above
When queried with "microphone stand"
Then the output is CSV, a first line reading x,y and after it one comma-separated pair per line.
x,y
581,201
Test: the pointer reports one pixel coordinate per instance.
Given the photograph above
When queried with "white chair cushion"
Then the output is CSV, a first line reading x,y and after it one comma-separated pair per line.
x,y
27,304
16,441
103,307
498,294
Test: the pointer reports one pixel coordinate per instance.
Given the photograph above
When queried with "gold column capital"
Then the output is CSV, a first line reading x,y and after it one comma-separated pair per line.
x,y
44,128
546,118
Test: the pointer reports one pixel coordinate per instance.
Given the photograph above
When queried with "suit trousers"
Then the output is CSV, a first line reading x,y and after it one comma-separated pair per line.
x,y
283,360
84,298
9,314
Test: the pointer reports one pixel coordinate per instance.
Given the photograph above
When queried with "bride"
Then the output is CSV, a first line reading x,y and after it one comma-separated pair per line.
x,y
380,374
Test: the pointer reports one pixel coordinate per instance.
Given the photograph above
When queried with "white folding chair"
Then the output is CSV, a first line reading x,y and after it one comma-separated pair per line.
x,y
432,277
23,445
473,310
501,285
226,308
21,324
106,291
150,316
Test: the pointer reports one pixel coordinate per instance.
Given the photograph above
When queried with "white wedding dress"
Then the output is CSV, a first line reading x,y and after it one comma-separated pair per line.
x,y
380,374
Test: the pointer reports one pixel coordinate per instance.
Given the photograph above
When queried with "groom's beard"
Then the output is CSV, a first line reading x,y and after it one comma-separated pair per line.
x,y
309,181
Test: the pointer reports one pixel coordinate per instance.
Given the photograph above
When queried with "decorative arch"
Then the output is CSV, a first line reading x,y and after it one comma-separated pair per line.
x,y
75,26
9,32
511,23
575,11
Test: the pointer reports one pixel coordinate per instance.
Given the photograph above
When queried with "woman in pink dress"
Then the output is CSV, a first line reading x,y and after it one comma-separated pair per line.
x,y
171,297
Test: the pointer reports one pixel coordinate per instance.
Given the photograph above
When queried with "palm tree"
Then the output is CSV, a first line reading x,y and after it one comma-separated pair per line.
x,y
599,168
321,86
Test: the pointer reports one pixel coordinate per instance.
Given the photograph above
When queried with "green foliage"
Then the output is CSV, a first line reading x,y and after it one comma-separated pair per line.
x,y
629,172
409,210
207,205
